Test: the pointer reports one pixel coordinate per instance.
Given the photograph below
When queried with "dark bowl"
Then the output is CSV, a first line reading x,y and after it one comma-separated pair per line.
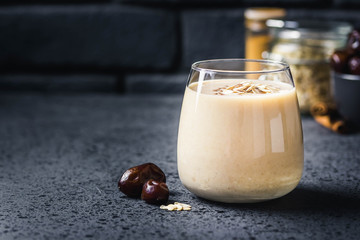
x,y
346,93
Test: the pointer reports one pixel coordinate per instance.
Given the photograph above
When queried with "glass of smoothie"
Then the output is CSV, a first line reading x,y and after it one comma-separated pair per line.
x,y
240,135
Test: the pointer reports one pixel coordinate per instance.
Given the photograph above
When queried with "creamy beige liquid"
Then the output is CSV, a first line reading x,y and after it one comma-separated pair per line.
x,y
240,148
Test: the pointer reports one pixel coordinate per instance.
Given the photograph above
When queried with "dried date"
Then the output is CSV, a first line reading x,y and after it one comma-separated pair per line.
x,y
132,181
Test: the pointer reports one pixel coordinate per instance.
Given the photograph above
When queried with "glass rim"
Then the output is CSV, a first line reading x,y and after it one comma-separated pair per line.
x,y
282,66
346,76
316,26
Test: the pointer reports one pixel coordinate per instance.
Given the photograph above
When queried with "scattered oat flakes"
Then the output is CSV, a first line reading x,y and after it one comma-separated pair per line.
x,y
246,87
176,206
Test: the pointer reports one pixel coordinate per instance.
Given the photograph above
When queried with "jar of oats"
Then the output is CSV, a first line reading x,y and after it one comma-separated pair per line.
x,y
306,46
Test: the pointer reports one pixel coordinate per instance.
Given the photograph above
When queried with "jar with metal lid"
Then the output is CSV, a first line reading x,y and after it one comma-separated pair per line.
x,y
306,46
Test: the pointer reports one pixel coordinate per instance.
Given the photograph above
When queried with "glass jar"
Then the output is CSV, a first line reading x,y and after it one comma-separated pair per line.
x,y
306,46
257,33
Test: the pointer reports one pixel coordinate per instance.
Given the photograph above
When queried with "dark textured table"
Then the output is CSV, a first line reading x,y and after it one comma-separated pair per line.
x,y
61,157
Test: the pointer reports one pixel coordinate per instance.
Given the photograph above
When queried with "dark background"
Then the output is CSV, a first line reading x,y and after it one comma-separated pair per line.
x,y
129,46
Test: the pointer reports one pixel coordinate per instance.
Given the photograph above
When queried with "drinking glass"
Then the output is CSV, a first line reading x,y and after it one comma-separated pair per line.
x,y
240,135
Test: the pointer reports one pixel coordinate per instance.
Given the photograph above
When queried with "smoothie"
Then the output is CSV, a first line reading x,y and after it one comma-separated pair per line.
x,y
240,140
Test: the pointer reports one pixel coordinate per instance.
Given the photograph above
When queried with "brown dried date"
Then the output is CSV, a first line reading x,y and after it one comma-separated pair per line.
x,y
348,60
155,192
132,181
339,61
353,44
354,65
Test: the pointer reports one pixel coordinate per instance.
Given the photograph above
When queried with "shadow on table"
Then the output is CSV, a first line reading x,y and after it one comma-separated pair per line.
x,y
303,199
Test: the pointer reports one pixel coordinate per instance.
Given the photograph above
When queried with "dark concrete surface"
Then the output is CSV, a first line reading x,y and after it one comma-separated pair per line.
x,y
61,157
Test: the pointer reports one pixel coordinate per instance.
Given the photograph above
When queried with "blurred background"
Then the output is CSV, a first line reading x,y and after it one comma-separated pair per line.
x,y
130,46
